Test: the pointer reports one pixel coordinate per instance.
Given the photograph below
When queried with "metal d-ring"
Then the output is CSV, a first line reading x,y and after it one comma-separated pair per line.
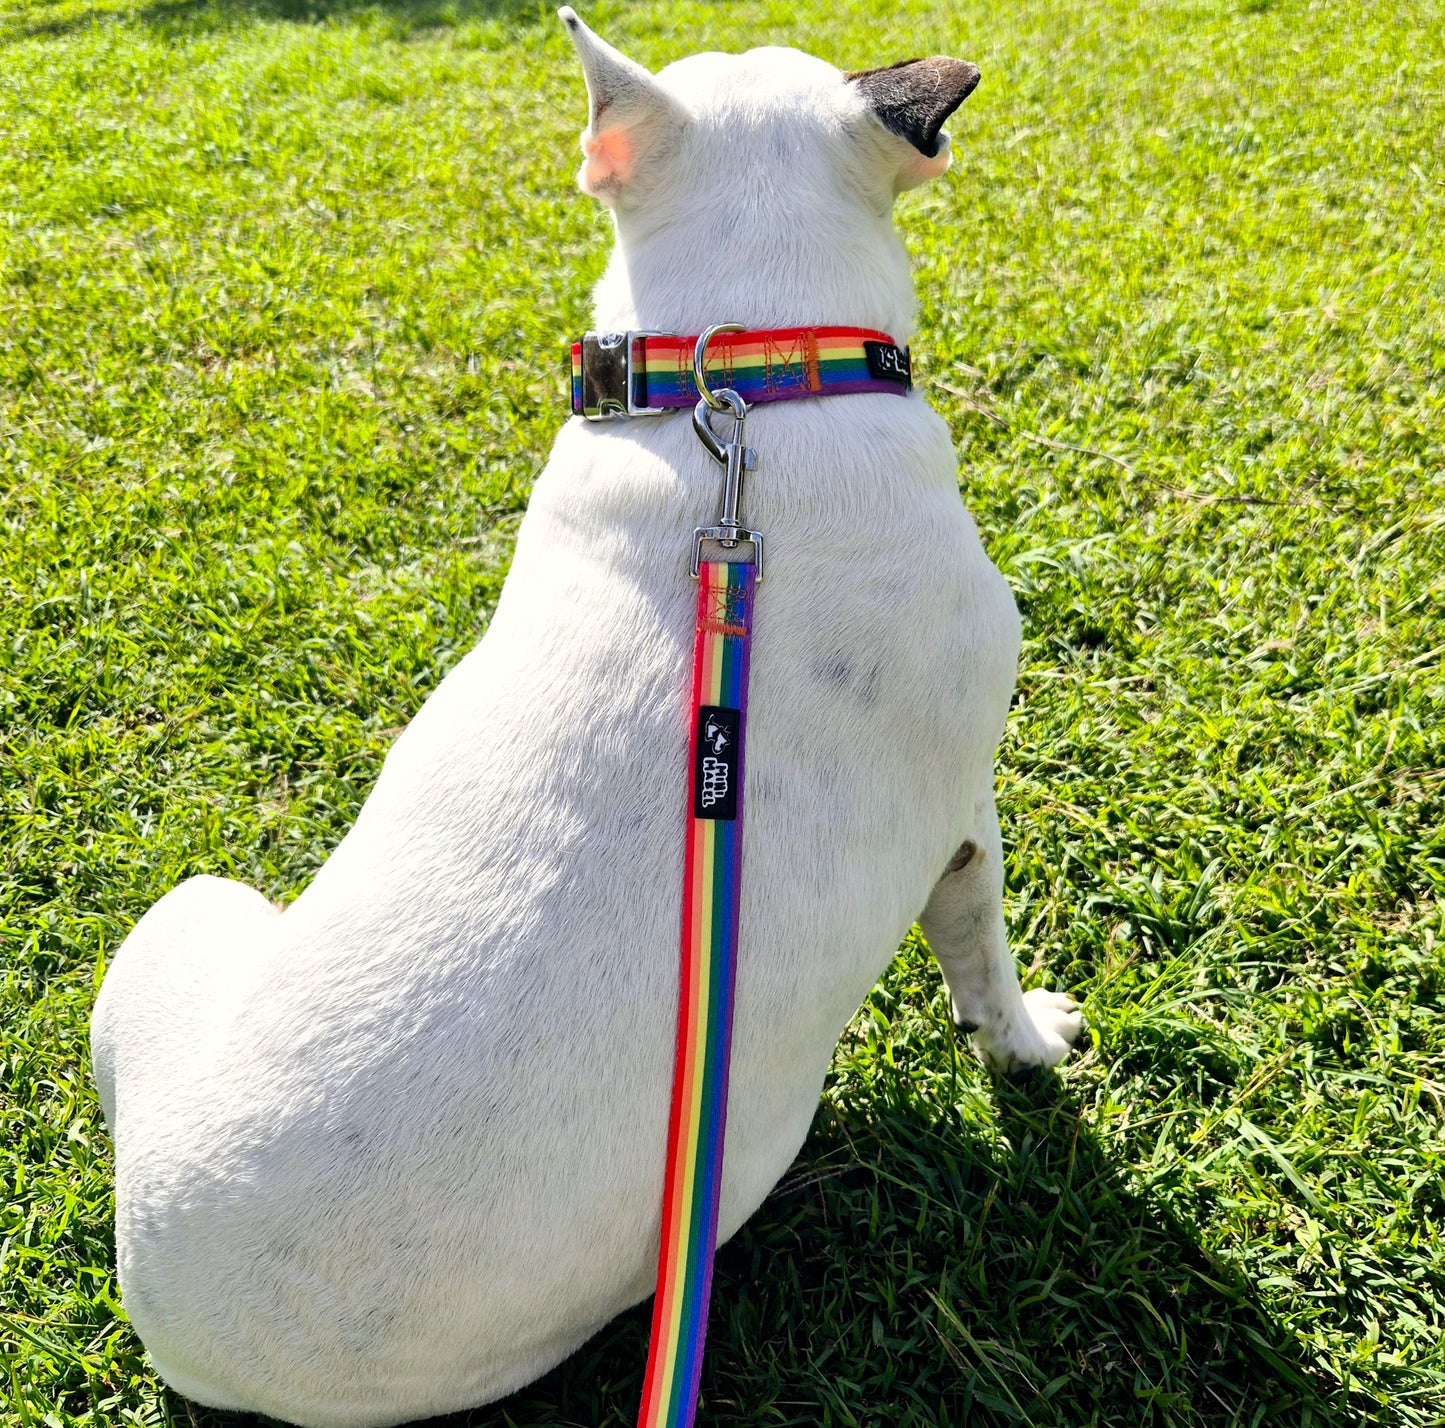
x,y
699,363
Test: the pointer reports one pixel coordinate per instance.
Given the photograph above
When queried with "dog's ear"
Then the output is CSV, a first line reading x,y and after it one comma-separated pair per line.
x,y
630,120
912,100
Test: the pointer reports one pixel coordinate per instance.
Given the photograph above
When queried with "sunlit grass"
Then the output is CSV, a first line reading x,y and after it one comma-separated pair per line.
x,y
283,292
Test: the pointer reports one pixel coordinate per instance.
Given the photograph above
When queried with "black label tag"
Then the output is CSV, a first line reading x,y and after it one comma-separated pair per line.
x,y
887,363
715,772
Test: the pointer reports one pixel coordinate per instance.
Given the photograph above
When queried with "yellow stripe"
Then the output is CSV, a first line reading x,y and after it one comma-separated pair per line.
x,y
668,350
719,662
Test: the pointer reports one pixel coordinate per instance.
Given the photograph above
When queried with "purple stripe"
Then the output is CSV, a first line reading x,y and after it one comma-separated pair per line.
x,y
829,389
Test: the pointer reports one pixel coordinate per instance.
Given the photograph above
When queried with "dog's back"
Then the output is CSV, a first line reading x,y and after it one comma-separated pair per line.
x,y
400,1149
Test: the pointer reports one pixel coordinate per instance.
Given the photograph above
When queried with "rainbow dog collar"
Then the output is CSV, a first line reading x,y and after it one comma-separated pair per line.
x,y
623,374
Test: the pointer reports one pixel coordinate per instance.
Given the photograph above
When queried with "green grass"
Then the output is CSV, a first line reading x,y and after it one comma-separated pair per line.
x,y
282,290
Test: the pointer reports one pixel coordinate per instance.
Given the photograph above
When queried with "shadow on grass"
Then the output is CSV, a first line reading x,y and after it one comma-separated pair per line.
x,y
179,18
906,1273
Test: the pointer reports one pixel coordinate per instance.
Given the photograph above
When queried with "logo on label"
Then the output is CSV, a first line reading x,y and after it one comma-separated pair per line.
x,y
714,782
718,738
888,362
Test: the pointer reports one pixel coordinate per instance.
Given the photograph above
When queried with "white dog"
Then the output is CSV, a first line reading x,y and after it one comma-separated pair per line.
x,y
399,1150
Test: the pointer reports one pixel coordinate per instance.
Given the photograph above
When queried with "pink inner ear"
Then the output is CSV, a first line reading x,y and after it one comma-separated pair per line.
x,y
922,169
609,157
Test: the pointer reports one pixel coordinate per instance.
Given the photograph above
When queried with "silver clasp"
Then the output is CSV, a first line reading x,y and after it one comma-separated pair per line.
x,y
736,457
733,454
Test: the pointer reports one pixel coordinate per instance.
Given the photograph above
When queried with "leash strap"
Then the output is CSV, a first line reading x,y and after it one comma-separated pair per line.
x,y
711,870
645,373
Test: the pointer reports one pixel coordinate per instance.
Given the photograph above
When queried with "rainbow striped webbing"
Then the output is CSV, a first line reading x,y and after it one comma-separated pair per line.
x,y
769,366
698,1120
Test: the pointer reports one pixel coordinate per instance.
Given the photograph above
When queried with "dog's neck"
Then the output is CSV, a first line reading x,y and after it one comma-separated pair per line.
x,y
696,270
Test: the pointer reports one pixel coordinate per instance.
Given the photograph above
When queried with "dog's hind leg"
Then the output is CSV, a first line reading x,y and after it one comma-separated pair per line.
x,y
181,964
963,923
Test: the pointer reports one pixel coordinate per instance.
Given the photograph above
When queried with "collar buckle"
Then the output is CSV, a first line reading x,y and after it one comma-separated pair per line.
x,y
614,375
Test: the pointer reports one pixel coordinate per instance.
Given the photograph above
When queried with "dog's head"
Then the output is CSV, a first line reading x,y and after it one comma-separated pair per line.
x,y
758,188
770,120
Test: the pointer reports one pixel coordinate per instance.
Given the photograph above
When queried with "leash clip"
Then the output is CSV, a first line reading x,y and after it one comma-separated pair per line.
x,y
736,457
734,454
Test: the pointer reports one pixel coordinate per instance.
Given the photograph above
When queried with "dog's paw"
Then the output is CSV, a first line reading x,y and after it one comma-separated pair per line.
x,y
1052,1026
1058,1019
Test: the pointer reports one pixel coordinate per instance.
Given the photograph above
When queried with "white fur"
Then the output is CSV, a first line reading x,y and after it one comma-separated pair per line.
x,y
399,1150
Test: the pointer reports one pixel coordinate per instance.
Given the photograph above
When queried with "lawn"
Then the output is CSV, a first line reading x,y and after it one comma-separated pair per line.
x,y
283,296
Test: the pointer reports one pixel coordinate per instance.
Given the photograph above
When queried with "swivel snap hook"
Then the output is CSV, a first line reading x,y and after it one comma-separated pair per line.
x,y
735,456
